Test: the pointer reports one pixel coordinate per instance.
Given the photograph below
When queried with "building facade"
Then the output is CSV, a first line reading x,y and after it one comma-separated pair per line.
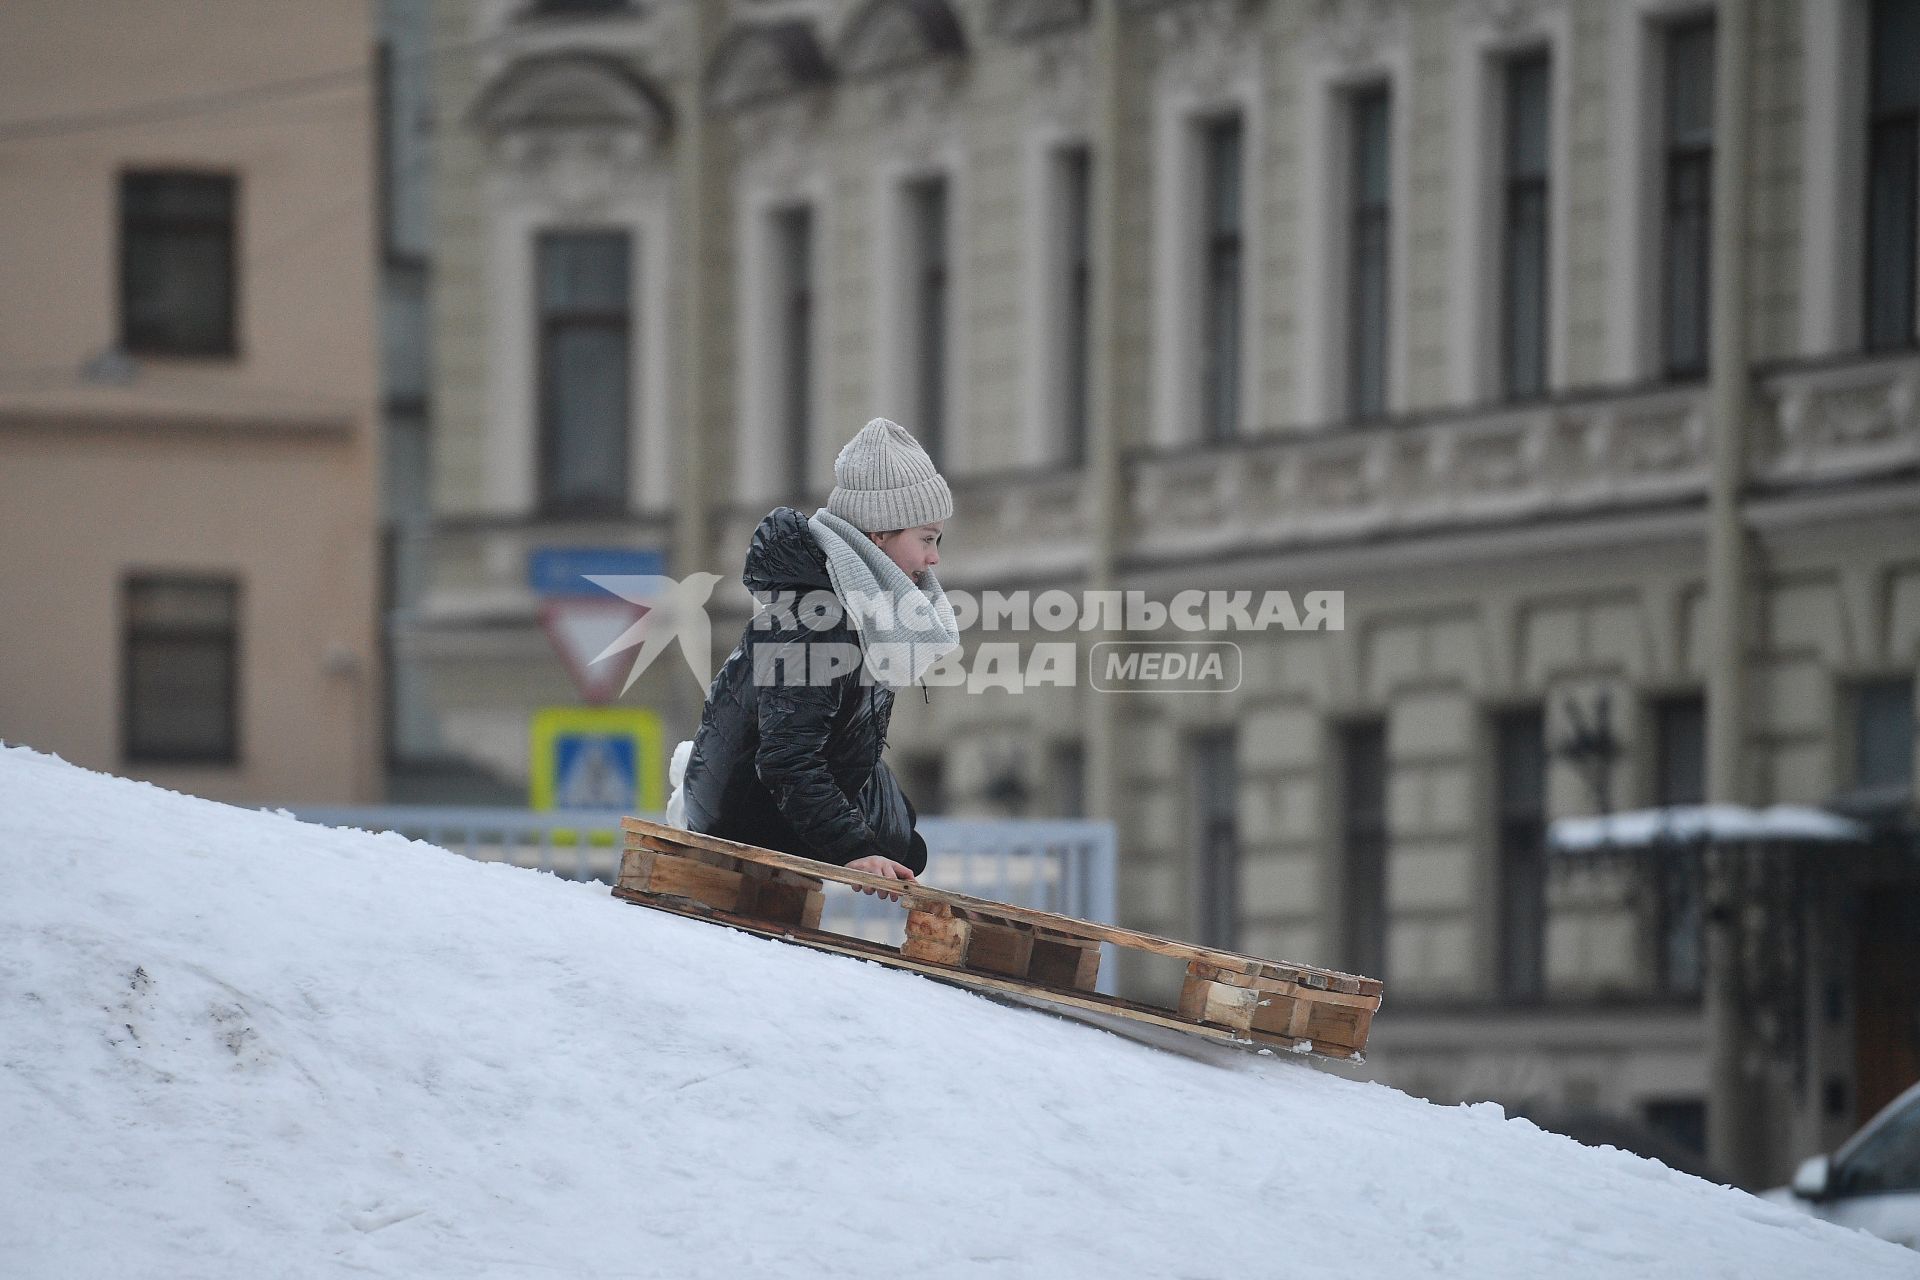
x,y
188,436
1574,343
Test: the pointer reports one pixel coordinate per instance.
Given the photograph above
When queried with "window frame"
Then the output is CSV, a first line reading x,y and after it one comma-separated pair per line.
x,y
228,346
1222,273
1368,224
795,238
929,203
1365,848
1519,190
1677,157
1214,754
1073,176
552,505
132,752
1905,269
1520,836
1680,903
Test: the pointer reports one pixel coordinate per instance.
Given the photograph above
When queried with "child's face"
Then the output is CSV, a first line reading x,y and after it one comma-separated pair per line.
x,y
914,550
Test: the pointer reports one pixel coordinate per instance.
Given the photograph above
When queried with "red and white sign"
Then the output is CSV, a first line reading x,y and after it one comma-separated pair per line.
x,y
581,628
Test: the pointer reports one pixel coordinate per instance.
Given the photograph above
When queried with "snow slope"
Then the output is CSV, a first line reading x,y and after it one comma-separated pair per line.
x,y
235,1045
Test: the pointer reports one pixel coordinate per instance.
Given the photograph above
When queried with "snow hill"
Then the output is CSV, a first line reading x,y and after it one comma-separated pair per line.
x,y
232,1044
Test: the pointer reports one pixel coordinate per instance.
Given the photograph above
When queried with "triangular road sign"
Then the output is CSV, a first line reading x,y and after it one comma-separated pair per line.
x,y
581,628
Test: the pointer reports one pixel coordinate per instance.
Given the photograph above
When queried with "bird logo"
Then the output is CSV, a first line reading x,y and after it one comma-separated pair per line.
x,y
676,609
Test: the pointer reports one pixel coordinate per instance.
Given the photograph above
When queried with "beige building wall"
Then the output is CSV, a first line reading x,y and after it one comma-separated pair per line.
x,y
1494,556
261,465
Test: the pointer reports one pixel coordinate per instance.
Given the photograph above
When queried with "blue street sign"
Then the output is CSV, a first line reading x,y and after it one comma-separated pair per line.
x,y
562,571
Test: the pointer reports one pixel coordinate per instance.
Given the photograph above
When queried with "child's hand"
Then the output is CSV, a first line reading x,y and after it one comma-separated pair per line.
x,y
876,865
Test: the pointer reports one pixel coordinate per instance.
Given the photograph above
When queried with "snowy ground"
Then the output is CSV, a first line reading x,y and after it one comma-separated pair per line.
x,y
235,1045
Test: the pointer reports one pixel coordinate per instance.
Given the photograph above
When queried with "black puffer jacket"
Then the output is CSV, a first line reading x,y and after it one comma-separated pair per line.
x,y
796,766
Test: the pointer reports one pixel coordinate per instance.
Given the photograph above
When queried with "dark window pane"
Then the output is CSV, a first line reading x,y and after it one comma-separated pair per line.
x,y
1895,43
795,237
1220,351
1520,782
1682,1119
1368,245
1215,782
1690,84
585,370
1680,751
180,659
1689,197
1524,245
1528,81
1883,735
1679,778
1363,759
927,208
177,263
1689,259
1076,210
584,271
1070,780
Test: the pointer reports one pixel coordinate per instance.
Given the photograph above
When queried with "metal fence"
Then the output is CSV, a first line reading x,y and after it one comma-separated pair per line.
x,y
1060,865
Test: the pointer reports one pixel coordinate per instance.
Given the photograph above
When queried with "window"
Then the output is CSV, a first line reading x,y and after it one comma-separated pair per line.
x,y
1689,197
585,372
1367,273
1220,303
1363,759
1893,155
180,692
1520,782
1679,778
1070,780
177,267
1075,169
924,779
793,231
1684,1120
1523,300
927,213
1883,736
1214,774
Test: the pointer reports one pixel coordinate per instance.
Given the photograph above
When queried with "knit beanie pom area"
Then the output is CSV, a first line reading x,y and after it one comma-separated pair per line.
x,y
884,480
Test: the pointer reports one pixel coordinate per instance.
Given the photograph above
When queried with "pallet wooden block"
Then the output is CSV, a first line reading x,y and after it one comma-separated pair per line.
x,y
996,946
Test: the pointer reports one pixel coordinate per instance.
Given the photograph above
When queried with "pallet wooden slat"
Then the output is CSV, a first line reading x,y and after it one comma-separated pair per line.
x,y
998,947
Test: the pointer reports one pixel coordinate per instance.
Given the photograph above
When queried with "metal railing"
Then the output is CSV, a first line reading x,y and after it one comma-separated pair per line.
x,y
1060,865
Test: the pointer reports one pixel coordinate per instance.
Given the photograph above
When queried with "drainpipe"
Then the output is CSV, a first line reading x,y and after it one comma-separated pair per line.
x,y
1733,1141
1105,480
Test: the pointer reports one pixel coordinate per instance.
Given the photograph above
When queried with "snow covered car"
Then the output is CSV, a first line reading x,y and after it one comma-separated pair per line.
x,y
1872,1182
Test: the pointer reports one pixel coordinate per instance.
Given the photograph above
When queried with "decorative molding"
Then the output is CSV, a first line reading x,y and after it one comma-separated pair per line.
x,y
1019,19
887,36
1060,78
778,141
577,126
1509,19
1204,44
1357,35
765,62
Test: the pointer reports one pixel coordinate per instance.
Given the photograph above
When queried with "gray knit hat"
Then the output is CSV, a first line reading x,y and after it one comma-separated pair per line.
x,y
884,480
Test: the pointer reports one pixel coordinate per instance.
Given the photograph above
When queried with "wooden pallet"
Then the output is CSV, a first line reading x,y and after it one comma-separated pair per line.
x,y
998,947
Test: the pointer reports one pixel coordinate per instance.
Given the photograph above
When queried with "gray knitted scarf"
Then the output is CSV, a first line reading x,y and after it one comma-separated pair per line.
x,y
904,629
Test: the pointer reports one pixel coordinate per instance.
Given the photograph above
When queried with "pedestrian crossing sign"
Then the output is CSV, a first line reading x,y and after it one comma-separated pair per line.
x,y
597,758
